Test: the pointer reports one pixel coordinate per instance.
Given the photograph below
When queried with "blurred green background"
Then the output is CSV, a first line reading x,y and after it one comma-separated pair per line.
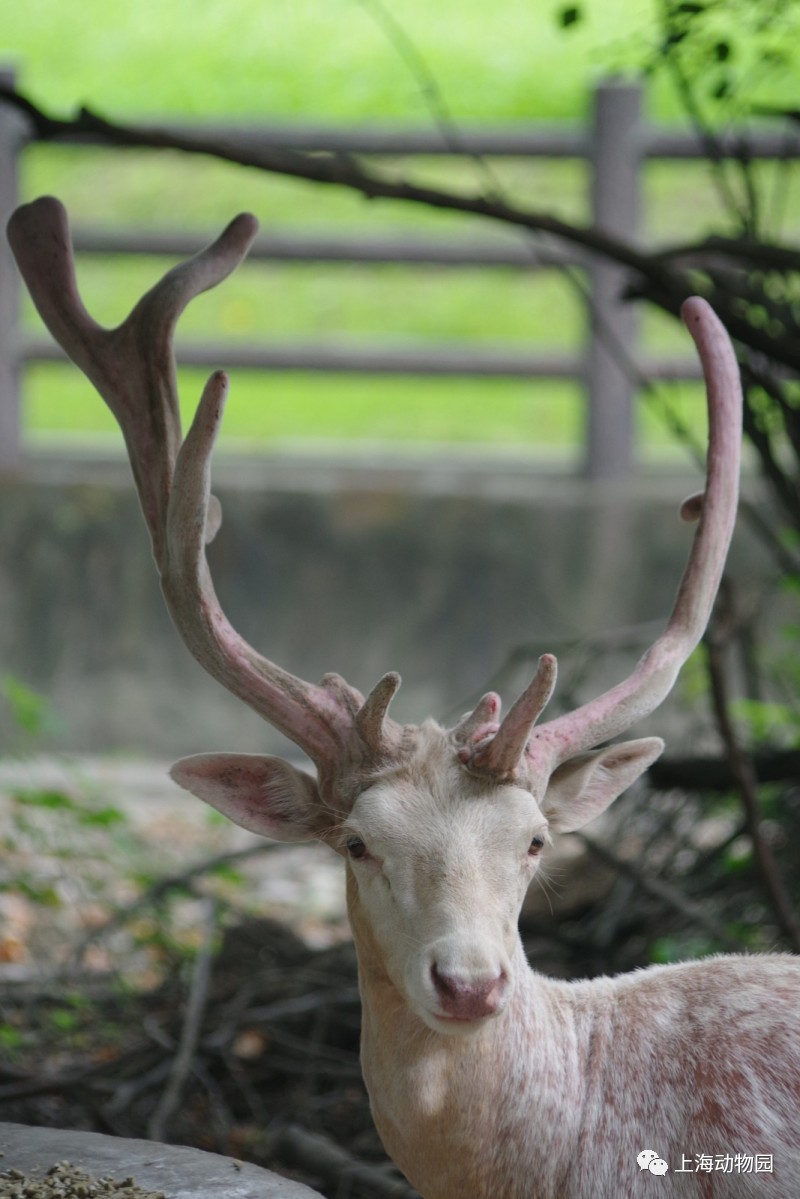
x,y
321,61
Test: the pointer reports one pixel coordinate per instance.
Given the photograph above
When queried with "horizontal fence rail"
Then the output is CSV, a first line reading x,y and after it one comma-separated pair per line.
x,y
615,144
513,141
455,360
399,248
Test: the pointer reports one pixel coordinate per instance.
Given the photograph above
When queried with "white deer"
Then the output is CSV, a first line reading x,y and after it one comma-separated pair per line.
x,y
487,1080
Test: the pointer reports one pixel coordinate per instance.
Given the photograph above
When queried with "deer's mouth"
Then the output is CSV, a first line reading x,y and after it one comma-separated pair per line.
x,y
458,1025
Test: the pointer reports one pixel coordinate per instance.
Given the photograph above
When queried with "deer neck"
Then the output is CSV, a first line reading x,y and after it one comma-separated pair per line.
x,y
451,1110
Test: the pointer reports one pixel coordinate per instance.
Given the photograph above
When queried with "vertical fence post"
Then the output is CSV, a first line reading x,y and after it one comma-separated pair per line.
x,y
615,159
12,130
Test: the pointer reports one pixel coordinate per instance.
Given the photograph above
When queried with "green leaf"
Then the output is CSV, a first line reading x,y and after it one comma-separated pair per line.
x,y
569,16
227,874
64,1020
675,38
668,949
45,895
54,801
10,1038
767,721
29,710
739,856
102,817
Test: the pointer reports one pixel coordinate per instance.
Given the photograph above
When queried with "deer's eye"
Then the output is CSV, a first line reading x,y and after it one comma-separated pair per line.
x,y
535,846
355,848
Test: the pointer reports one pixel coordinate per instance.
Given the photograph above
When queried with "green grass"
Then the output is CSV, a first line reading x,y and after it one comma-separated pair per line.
x,y
290,411
286,408
316,61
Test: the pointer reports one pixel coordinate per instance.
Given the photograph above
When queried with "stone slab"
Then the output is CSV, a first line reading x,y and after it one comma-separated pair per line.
x,y
179,1172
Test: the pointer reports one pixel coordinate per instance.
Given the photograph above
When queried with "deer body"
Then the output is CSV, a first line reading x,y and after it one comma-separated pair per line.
x,y
487,1081
557,1097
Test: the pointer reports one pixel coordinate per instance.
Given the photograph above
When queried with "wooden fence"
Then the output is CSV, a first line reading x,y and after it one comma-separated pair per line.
x,y
615,143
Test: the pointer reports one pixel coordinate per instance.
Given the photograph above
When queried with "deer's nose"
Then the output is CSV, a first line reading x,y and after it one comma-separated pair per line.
x,y
469,998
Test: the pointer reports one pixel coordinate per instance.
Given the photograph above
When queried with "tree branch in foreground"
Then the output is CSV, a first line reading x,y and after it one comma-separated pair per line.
x,y
747,786
653,276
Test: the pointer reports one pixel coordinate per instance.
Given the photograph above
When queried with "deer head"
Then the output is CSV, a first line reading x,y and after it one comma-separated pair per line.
x,y
442,828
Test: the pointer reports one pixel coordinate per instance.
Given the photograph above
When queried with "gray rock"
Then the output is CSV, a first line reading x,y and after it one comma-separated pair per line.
x,y
179,1172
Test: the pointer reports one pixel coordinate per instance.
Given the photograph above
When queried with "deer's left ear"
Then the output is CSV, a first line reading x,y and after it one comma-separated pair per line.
x,y
584,786
265,795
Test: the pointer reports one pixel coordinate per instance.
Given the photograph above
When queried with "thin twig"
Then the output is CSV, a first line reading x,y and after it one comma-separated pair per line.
x,y
335,1165
190,1033
661,282
410,54
68,1080
688,97
663,891
666,286
171,882
746,780
716,774
312,1001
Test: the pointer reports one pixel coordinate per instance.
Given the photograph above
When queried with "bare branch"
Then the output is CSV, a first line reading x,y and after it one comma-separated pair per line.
x,y
190,1033
170,882
345,171
717,774
747,784
652,276
337,1166
663,891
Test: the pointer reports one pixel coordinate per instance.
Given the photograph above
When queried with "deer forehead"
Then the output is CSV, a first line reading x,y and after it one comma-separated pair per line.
x,y
433,808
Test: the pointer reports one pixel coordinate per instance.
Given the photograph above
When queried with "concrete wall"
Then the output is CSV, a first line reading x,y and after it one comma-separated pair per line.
x,y
439,569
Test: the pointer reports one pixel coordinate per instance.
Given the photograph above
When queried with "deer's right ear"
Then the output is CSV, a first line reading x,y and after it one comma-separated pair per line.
x,y
265,795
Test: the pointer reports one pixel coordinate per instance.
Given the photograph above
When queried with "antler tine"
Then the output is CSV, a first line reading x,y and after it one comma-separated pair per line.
x,y
474,725
133,369
131,366
377,731
501,755
319,718
652,680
